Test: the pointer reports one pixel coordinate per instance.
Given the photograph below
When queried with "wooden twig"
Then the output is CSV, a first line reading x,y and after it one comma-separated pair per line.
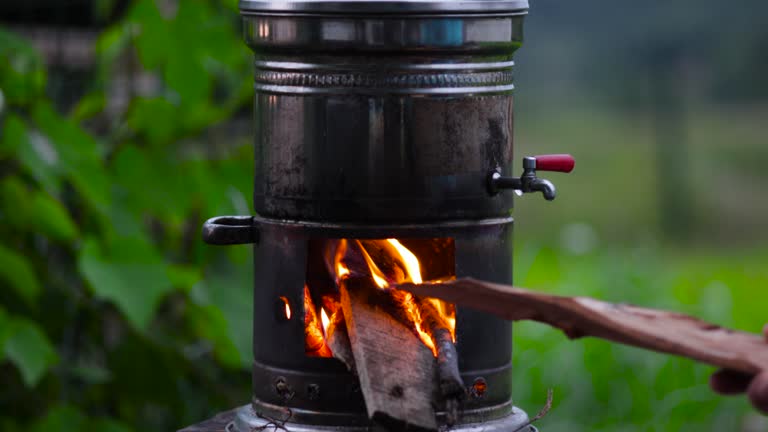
x,y
274,423
662,331
542,412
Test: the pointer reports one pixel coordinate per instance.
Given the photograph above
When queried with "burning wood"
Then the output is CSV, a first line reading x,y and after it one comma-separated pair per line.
x,y
449,379
338,340
314,338
396,370
383,333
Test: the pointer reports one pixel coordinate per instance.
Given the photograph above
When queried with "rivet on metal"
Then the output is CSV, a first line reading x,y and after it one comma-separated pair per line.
x,y
283,389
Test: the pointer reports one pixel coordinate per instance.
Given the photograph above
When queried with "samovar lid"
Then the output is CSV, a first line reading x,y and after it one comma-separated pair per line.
x,y
389,7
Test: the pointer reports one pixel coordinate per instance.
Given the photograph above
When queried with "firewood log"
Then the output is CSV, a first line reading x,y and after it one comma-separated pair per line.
x,y
396,370
662,331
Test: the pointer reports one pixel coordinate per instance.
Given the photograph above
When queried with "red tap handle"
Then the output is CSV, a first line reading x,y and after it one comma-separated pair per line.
x,y
555,162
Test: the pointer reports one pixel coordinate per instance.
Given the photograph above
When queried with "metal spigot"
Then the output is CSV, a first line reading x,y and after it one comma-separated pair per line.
x,y
528,182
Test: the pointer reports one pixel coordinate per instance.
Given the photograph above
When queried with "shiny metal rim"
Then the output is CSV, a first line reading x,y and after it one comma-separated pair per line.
x,y
464,91
374,231
430,67
246,420
398,7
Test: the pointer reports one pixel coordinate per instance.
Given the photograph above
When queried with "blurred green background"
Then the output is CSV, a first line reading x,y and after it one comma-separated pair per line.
x,y
124,124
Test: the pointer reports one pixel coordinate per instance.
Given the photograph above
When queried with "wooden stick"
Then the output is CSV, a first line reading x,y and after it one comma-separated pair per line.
x,y
449,379
338,341
449,382
662,331
396,370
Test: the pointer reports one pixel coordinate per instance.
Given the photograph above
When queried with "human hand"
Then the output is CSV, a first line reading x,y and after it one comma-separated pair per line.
x,y
728,382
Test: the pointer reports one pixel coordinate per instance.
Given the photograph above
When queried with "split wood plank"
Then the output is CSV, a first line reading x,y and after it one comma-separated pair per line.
x,y
338,341
656,330
396,370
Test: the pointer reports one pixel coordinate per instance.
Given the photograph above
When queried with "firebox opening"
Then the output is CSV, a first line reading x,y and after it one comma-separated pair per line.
x,y
375,265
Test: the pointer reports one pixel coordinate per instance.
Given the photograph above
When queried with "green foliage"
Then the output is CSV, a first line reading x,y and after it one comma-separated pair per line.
x,y
133,277
16,272
99,231
26,346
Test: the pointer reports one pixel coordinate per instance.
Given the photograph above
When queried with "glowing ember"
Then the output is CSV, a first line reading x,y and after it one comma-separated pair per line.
x,y
325,321
287,307
314,338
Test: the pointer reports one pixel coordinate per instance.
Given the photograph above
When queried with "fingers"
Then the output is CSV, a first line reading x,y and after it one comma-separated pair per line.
x,y
758,389
728,382
758,392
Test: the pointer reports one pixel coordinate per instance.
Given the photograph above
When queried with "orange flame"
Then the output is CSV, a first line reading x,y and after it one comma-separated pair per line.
x,y
314,332
287,307
405,268
412,267
325,321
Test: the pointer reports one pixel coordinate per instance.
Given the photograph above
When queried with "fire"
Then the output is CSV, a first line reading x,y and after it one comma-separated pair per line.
x,y
412,266
384,262
325,321
314,332
403,266
287,307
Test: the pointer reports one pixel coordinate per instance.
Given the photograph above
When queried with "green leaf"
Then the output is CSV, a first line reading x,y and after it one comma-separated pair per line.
x,y
33,151
13,134
210,323
14,201
153,40
134,283
111,45
154,118
139,172
108,425
185,69
41,160
29,349
187,76
34,211
80,155
22,72
19,274
51,218
184,277
91,104
61,418
228,291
